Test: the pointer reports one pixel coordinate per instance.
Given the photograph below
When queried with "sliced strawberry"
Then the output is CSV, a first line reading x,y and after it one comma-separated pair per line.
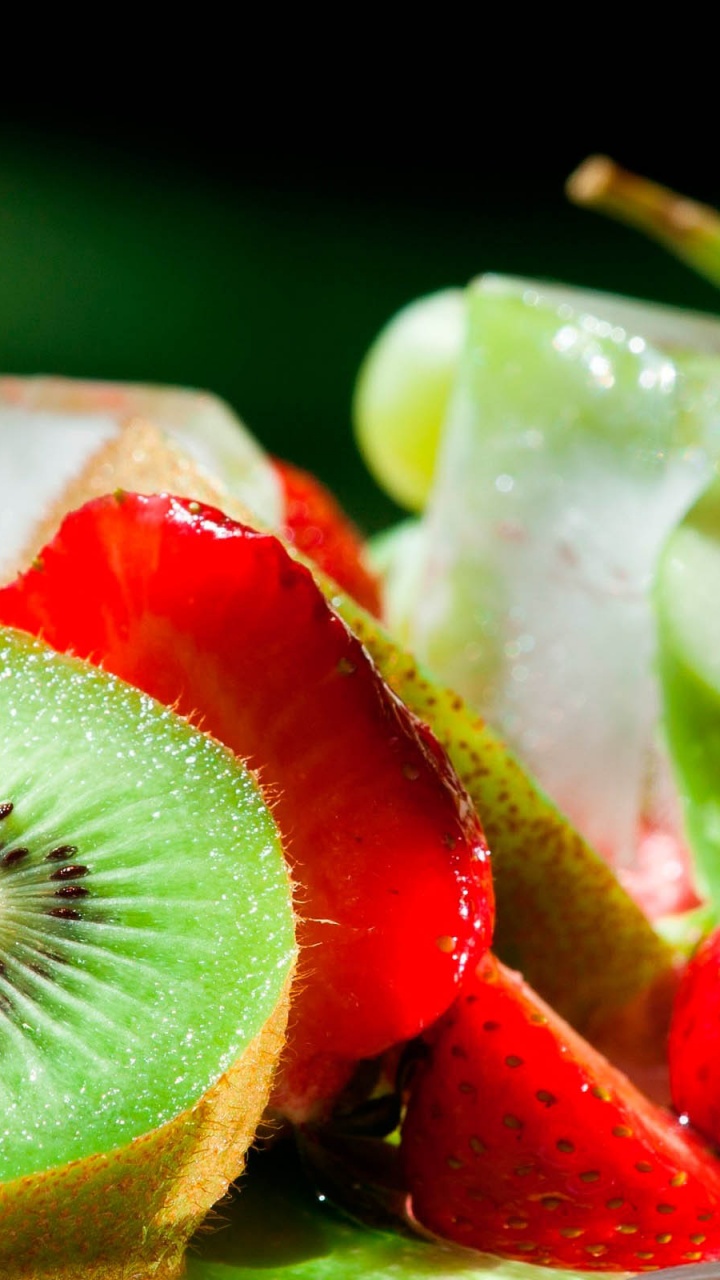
x,y
316,524
394,890
520,1139
694,1043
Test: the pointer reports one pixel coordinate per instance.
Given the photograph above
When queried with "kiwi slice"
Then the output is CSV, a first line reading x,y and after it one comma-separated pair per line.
x,y
146,941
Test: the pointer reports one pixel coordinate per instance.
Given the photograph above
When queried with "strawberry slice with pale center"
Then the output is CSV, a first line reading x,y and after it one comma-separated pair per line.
x,y
521,1140
315,523
394,892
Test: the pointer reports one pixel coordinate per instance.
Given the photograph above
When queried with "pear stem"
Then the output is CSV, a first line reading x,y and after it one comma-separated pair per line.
x,y
689,229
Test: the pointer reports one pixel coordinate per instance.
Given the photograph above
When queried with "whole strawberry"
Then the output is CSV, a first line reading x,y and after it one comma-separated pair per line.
x,y
694,1038
521,1140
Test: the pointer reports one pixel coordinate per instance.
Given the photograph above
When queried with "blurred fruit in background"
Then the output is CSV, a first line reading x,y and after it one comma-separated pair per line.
x,y
194,247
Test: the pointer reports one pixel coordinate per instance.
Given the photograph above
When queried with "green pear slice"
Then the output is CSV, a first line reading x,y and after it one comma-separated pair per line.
x,y
564,465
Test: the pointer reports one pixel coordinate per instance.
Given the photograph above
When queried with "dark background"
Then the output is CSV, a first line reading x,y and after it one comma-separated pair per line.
x,y
186,248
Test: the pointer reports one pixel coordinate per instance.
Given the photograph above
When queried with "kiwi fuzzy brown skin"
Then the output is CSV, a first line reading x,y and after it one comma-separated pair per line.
x,y
118,1210
128,1214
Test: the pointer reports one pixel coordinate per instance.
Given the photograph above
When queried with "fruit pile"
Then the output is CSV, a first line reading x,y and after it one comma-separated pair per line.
x,y
245,876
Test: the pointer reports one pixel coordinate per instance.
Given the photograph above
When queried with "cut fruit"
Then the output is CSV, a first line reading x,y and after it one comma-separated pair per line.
x,y
56,429
405,384
557,903
146,942
521,1140
695,1038
557,900
395,892
314,523
564,465
686,596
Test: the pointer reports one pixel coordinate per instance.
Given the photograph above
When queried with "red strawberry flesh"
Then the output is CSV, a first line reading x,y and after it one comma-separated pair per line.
x,y
521,1140
315,523
694,1043
393,879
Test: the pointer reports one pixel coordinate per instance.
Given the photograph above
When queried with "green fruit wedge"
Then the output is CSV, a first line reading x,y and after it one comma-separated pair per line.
x,y
564,465
405,384
687,596
146,944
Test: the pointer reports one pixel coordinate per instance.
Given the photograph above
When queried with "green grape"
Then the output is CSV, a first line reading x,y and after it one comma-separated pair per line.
x,y
402,394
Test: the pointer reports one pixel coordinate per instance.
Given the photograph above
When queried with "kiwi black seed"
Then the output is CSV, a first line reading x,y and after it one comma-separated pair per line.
x,y
146,925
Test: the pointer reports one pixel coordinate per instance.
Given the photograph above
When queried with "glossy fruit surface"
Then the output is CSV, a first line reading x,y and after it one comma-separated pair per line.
x,y
523,1141
558,900
314,523
564,468
694,1043
146,945
686,595
119,824
402,394
394,890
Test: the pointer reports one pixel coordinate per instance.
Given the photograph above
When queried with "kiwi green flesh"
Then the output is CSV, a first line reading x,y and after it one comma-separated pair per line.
x,y
125,999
